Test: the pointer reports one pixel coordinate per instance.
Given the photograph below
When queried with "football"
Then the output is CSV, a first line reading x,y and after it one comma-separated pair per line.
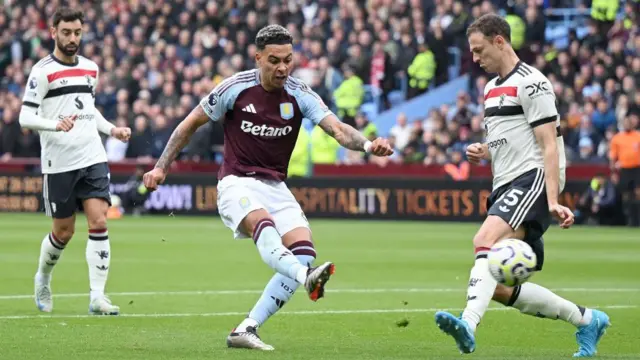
x,y
512,262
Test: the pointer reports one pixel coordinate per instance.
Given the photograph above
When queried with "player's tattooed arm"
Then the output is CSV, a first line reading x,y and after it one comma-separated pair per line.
x,y
344,134
181,136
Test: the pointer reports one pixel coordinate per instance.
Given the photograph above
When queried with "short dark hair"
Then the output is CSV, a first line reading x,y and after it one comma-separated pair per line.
x,y
273,35
67,14
491,25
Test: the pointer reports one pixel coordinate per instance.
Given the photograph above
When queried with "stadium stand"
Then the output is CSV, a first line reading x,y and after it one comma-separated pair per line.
x,y
158,58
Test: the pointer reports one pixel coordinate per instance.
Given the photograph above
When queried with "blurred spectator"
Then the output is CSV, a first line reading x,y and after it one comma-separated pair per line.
x,y
300,159
401,131
600,204
348,96
587,153
10,139
421,72
625,157
458,169
324,148
140,142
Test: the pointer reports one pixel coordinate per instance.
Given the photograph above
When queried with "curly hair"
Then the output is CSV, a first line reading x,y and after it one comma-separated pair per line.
x,y
273,35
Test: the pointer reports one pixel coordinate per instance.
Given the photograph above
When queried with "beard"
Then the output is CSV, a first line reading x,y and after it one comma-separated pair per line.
x,y
67,49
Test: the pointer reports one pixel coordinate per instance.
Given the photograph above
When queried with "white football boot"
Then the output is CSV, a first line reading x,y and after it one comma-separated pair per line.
x,y
247,339
102,306
43,297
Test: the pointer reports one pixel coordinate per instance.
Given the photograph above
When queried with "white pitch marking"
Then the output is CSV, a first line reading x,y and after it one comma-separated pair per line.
x,y
302,312
335,291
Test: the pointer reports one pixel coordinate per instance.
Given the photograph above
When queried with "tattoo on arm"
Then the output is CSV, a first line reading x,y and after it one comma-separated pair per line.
x,y
346,135
180,138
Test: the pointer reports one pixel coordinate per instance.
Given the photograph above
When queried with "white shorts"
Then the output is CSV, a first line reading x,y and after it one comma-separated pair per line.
x,y
238,196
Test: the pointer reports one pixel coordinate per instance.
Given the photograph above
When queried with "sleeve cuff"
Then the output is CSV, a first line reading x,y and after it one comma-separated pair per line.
x,y
543,121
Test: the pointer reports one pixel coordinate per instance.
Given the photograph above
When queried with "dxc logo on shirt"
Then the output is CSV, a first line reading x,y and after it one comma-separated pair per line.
x,y
264,130
537,89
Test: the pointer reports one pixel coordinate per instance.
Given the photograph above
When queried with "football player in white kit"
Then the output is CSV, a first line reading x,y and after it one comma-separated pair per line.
x,y
528,164
59,104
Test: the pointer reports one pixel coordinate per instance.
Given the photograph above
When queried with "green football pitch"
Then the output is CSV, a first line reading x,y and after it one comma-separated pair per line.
x,y
183,283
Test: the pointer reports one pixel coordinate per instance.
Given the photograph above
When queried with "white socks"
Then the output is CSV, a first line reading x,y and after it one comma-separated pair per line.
x,y
50,252
98,259
481,287
279,290
274,254
529,298
535,300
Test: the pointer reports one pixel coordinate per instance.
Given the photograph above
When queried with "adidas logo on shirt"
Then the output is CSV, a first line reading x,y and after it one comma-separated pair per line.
x,y
250,109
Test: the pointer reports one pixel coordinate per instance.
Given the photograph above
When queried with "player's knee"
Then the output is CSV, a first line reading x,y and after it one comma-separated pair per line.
x,y
98,222
64,232
253,219
483,239
502,294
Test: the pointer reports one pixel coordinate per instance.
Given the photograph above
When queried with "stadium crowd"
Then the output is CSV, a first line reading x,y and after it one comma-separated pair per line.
x,y
157,59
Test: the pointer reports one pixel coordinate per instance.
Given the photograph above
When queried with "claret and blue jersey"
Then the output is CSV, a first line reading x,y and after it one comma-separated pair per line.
x,y
261,127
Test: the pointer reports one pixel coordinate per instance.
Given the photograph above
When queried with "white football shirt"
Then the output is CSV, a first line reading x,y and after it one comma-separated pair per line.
x,y
514,106
58,90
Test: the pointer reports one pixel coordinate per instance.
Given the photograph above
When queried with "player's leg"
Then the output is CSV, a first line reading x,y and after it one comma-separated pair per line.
x,y
276,294
481,286
506,205
242,209
59,203
93,189
280,288
262,228
98,255
535,300
275,254
289,220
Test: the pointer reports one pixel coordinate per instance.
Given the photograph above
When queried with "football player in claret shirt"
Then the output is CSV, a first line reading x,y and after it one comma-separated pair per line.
x,y
262,111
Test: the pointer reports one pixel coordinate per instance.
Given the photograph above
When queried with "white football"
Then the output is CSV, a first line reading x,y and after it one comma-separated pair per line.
x,y
512,262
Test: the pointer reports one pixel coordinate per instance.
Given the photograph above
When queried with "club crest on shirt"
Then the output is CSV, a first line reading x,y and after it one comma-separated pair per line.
x,y
502,97
90,84
286,111
244,202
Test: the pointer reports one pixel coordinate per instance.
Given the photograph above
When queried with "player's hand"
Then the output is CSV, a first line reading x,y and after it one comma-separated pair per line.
x,y
121,133
381,147
66,124
476,153
563,214
153,178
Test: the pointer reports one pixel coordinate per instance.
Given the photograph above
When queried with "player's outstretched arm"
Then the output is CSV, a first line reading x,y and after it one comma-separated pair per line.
x,y
546,137
178,140
352,139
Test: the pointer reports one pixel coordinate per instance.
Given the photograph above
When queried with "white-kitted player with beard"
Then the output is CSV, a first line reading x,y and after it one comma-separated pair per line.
x,y
59,104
